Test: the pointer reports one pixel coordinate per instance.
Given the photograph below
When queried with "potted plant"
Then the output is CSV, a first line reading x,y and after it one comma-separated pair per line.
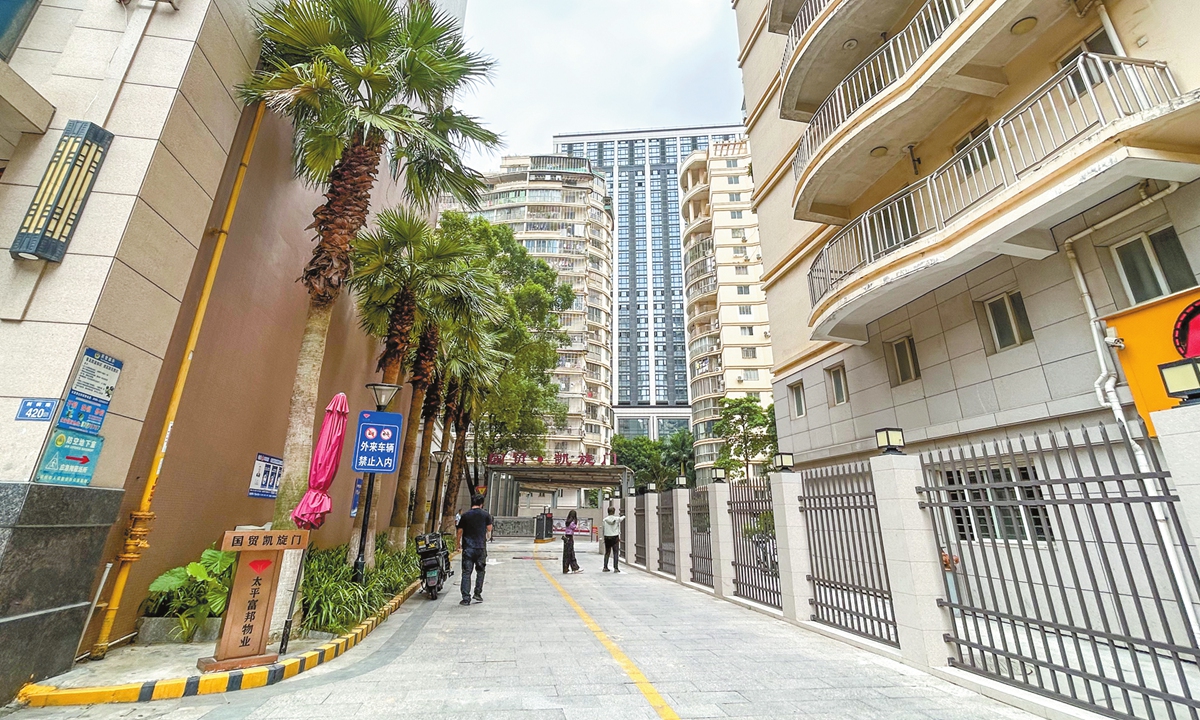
x,y
186,603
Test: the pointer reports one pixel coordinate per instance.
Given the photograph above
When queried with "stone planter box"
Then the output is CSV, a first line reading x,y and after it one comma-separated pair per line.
x,y
162,630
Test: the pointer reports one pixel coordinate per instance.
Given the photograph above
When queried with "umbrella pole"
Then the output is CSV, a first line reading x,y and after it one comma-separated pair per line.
x,y
360,564
287,624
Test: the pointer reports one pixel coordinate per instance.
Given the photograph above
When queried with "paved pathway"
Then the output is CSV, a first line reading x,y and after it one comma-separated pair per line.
x,y
527,653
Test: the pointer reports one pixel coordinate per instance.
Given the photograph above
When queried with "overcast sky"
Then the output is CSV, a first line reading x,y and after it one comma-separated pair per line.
x,y
576,65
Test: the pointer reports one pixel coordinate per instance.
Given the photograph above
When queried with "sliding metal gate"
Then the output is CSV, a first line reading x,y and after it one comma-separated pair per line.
x,y
755,555
701,537
1067,573
639,530
848,573
666,532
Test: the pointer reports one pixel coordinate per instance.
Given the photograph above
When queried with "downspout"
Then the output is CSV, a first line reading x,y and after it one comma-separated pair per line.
x,y
1106,388
140,519
1110,30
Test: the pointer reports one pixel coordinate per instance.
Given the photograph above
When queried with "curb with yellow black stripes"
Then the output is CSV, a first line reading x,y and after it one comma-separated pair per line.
x,y
35,695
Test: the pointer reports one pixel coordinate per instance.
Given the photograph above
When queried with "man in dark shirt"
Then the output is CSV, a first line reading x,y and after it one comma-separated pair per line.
x,y
474,528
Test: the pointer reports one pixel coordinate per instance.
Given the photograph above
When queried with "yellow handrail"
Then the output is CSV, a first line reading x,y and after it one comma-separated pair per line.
x,y
140,519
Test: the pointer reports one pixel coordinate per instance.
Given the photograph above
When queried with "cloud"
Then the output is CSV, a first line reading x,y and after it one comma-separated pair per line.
x,y
574,65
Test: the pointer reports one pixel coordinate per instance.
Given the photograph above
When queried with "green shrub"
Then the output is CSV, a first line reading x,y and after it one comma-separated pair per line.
x,y
192,593
334,603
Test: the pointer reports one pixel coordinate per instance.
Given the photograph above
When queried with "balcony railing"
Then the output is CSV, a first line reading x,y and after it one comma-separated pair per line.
x,y
882,68
703,287
704,345
804,20
1090,93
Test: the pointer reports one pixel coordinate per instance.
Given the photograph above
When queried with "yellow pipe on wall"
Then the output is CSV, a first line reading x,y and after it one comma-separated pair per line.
x,y
140,519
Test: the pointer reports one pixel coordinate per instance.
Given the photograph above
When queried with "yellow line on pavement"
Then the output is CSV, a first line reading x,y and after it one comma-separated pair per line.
x,y
643,684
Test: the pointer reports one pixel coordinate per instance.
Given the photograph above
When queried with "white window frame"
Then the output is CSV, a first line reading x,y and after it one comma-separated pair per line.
x,y
734,180
750,353
743,289
1163,286
1012,320
910,349
744,328
749,311
837,379
741,270
799,402
735,214
750,373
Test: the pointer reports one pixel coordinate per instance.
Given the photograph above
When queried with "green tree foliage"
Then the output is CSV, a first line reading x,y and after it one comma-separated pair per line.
x,y
635,453
744,425
679,452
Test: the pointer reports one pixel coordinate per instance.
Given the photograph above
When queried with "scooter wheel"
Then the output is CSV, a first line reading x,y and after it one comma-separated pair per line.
x,y
433,593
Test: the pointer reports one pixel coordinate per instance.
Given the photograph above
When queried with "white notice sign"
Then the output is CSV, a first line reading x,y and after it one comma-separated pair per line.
x,y
265,481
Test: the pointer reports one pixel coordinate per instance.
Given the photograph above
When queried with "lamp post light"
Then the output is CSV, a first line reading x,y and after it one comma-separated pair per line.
x,y
784,461
1182,380
718,474
890,441
440,457
383,392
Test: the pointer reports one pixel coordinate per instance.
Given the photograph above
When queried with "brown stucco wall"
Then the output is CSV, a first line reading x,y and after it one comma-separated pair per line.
x,y
236,399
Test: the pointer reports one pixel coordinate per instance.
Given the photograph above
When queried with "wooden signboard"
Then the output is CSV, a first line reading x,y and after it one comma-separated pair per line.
x,y
247,620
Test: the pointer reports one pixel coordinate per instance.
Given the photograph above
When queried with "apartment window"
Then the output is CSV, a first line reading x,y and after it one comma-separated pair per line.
x,y
743,289
1003,517
741,270
747,330
984,152
749,353
750,374
799,408
739,251
754,395
744,310
734,180
1152,265
735,215
731,163
904,357
838,391
735,197
1097,42
1008,321
737,234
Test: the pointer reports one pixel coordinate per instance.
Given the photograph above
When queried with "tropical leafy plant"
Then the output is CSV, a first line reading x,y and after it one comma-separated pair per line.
x,y
193,593
334,603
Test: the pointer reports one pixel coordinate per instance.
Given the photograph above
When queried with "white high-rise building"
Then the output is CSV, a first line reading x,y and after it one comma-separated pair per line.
x,y
642,172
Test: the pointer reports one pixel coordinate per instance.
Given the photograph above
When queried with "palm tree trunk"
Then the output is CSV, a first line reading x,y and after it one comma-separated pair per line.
x,y
401,508
429,416
457,469
297,444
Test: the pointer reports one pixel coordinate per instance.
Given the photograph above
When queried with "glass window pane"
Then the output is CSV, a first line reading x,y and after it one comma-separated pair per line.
x,y
839,386
903,366
798,399
1001,323
1139,273
1018,308
1172,260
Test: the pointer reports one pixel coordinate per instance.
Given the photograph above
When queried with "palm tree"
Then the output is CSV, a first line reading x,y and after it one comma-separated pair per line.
x,y
359,80
678,452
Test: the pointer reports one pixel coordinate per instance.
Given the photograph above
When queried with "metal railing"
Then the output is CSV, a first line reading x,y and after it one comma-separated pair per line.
x,y
848,572
1067,572
804,20
703,287
1088,94
639,530
880,70
666,532
698,512
755,554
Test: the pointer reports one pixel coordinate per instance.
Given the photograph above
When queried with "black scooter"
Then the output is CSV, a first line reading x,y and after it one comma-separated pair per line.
x,y
434,557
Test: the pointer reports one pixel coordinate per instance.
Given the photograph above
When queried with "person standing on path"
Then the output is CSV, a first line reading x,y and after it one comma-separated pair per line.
x,y
612,537
570,564
474,529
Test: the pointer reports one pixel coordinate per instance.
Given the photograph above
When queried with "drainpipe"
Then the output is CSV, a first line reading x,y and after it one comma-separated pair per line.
x,y
1106,388
140,519
1109,30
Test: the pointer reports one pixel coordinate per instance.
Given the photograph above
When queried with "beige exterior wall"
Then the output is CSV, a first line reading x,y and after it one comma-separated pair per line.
x,y
722,290
966,384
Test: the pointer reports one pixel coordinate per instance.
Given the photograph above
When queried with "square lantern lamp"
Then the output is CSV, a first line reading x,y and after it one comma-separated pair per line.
x,y
718,474
60,197
890,441
1182,380
784,461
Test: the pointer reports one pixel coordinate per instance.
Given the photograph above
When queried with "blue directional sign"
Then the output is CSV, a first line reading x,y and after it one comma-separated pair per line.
x,y
70,458
377,443
37,409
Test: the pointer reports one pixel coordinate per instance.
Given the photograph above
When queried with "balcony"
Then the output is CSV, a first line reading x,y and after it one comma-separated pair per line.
x,y
704,345
826,42
706,285
1082,137
950,51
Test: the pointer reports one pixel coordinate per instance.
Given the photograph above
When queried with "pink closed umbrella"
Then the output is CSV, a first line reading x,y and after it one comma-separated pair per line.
x,y
310,512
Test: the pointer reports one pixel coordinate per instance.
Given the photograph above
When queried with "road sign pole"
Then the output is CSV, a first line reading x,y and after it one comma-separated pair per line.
x,y
360,564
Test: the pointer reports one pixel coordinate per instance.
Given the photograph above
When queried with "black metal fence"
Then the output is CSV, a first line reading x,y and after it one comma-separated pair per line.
x,y
1067,572
698,512
639,530
848,574
755,555
666,531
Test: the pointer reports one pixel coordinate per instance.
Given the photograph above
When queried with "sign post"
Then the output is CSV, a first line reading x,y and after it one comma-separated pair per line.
x,y
376,449
243,641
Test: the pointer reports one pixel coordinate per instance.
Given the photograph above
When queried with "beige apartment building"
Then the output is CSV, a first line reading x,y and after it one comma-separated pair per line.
x,y
728,331
557,207
951,192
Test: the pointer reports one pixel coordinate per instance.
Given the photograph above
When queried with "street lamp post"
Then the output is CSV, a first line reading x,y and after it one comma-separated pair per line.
x,y
435,512
383,393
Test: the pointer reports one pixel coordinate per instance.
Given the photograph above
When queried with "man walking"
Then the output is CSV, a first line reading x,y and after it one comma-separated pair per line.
x,y
612,537
474,529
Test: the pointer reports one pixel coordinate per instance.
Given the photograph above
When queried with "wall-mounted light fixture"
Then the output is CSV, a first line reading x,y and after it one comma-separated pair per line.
x,y
62,194
1182,380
